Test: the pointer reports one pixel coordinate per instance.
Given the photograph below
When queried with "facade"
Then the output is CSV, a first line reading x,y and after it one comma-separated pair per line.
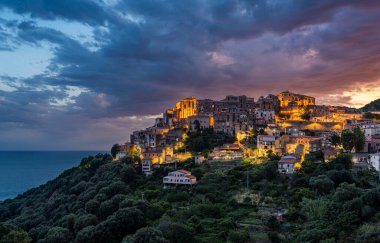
x,y
269,103
294,131
371,129
227,152
199,159
185,108
159,155
273,130
179,177
373,144
147,166
287,163
200,122
287,98
265,143
264,117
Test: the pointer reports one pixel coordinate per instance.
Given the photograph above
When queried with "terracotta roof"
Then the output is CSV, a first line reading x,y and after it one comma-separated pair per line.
x,y
288,160
183,171
190,176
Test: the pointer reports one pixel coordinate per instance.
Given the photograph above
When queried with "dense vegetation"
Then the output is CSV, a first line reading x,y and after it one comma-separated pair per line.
x,y
372,106
111,201
205,140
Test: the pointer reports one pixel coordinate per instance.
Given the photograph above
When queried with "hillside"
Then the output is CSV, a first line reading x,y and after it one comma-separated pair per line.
x,y
372,106
106,201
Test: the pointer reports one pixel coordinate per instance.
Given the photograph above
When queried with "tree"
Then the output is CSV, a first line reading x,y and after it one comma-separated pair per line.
x,y
197,125
146,235
315,209
85,220
322,184
347,140
359,139
114,150
335,139
305,116
58,235
368,115
176,232
342,161
238,236
15,236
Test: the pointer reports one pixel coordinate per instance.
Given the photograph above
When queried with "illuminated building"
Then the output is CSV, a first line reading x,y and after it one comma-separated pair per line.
x,y
227,152
287,163
129,149
185,108
265,144
287,98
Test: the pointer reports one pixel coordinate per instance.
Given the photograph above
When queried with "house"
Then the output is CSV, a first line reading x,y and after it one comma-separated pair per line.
x,y
294,131
227,152
265,144
200,122
146,166
329,154
180,177
199,159
264,117
286,164
373,144
273,130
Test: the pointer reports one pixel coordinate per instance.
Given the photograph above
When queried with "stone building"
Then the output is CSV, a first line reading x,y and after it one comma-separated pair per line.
x,y
287,98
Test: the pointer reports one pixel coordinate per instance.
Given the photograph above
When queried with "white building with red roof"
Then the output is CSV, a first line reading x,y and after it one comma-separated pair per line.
x,y
180,177
286,164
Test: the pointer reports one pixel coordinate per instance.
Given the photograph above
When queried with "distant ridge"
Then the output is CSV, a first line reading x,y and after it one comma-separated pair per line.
x,y
372,106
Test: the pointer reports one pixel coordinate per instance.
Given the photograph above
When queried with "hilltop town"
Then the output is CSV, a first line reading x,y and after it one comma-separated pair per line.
x,y
288,125
279,169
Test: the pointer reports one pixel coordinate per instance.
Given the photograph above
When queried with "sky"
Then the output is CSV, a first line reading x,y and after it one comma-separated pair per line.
x,y
83,74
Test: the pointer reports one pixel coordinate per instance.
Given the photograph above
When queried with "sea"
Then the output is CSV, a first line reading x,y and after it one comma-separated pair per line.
x,y
23,170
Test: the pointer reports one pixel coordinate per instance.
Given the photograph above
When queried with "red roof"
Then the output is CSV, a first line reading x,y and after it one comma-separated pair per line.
x,y
287,160
183,171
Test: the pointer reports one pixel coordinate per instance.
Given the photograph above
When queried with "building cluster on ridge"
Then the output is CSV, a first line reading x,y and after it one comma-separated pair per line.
x,y
291,125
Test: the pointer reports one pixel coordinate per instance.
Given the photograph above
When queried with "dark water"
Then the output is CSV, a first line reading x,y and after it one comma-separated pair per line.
x,y
23,170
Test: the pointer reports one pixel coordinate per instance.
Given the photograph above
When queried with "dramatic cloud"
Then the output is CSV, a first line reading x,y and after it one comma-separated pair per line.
x,y
81,73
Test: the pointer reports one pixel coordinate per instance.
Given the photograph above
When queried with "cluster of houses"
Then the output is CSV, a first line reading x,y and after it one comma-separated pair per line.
x,y
292,126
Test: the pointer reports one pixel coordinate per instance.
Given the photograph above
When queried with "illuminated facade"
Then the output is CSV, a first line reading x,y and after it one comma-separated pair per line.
x,y
185,108
265,144
287,98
